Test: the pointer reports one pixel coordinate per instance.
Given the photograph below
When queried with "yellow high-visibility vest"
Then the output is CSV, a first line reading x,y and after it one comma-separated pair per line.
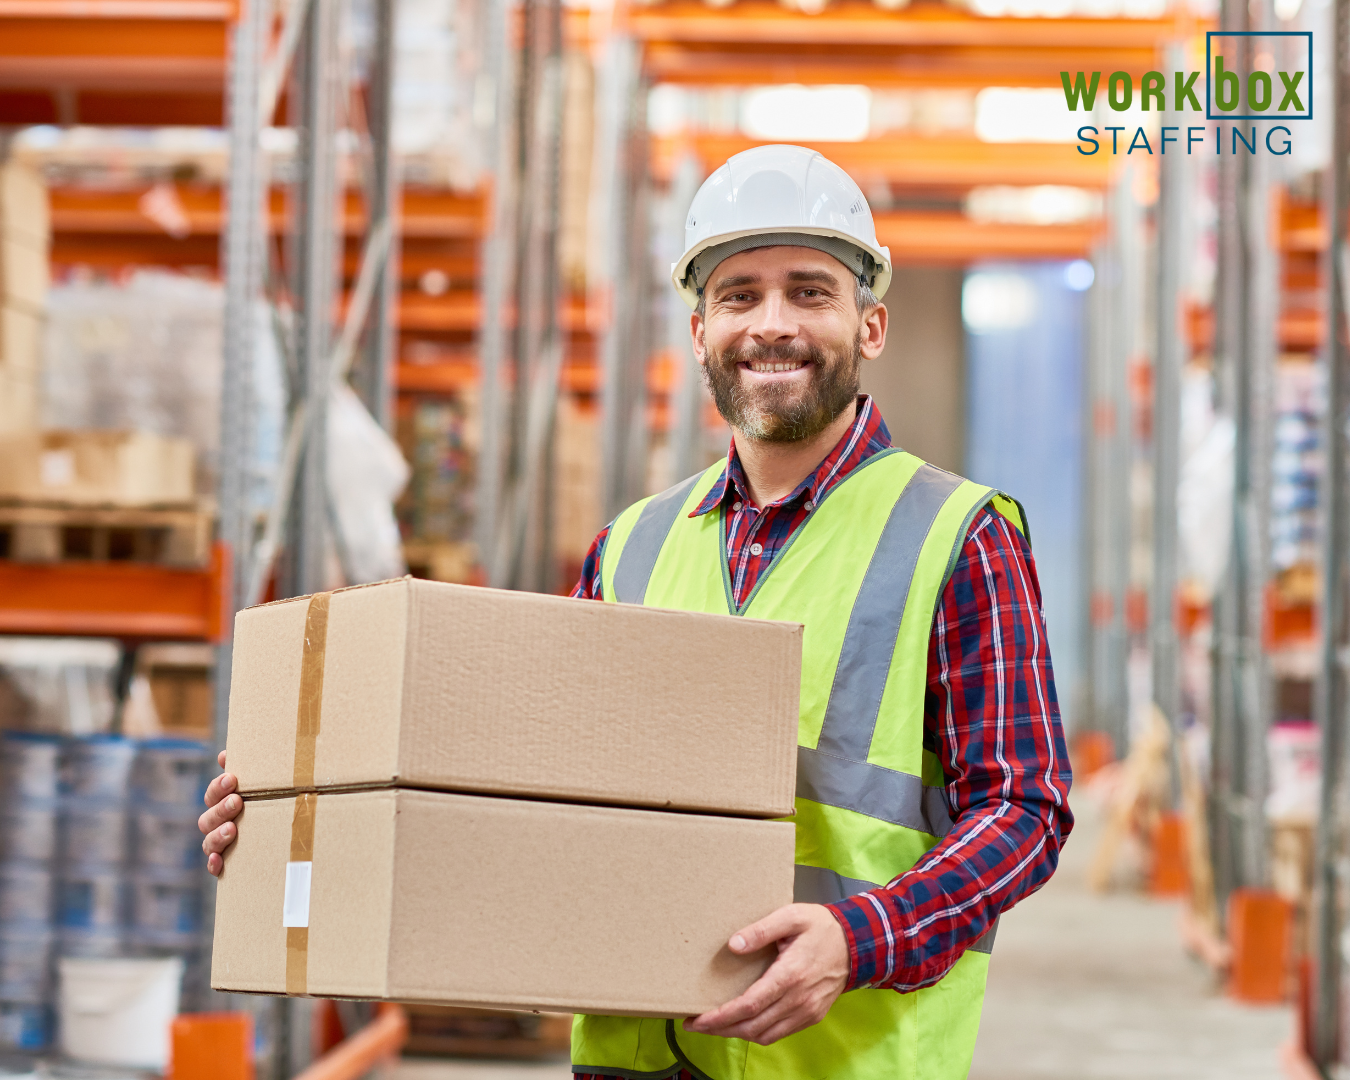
x,y
863,573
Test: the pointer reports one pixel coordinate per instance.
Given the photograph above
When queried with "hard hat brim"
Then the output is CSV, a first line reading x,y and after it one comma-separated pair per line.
x,y
679,275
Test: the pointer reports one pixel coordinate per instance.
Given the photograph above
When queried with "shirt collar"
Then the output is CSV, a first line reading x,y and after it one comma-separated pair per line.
x,y
866,435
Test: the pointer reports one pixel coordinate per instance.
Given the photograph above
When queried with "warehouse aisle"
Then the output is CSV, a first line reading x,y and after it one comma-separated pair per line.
x,y
1088,987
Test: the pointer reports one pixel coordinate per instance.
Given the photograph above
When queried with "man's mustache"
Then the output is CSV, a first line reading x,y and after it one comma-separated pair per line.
x,y
758,353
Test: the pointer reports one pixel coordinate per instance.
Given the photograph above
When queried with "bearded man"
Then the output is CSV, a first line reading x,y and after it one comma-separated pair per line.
x,y
932,777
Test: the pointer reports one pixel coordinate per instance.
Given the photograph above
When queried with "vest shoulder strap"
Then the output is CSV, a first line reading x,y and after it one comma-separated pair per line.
x,y
638,534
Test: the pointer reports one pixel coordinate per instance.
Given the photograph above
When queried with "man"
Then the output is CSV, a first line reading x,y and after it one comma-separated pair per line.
x,y
932,774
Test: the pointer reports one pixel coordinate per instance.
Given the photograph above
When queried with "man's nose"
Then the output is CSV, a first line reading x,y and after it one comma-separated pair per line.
x,y
773,323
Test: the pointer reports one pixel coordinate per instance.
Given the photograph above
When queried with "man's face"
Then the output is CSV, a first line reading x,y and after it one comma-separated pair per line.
x,y
782,340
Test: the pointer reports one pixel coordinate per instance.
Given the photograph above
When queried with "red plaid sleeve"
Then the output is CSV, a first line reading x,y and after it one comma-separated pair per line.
x,y
992,714
588,583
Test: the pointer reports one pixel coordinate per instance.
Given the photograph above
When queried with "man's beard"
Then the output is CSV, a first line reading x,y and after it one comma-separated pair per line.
x,y
779,412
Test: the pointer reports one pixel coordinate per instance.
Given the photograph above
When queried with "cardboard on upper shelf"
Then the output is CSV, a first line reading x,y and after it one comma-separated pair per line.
x,y
97,468
432,897
426,684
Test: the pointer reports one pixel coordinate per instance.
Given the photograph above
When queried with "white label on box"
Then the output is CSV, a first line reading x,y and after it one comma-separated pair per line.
x,y
295,908
56,468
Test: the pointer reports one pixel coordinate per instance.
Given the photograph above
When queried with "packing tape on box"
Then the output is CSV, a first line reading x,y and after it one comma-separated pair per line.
x,y
295,907
311,688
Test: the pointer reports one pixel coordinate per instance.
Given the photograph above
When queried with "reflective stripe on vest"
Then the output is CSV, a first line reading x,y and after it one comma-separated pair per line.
x,y
864,573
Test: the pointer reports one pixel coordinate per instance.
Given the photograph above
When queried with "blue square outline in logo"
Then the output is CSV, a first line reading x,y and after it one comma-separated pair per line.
x,y
1210,35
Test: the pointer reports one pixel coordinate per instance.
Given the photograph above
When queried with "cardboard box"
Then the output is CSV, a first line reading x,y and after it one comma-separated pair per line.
x,y
20,338
427,684
18,401
24,274
459,899
179,676
112,468
25,212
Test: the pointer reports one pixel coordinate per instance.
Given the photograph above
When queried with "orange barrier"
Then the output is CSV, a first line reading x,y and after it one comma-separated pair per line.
x,y
356,1055
1090,751
211,1046
1259,925
1167,874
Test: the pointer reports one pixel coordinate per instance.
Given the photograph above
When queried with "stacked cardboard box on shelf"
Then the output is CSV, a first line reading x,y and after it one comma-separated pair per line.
x,y
416,757
100,495
25,238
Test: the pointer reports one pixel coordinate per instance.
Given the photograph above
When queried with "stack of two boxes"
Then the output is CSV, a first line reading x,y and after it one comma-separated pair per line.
x,y
465,796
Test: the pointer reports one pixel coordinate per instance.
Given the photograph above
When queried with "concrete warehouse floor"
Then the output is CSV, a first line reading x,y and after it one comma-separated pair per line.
x,y
1081,987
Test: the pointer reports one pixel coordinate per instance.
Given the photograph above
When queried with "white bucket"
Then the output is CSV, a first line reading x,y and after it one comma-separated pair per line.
x,y
119,1012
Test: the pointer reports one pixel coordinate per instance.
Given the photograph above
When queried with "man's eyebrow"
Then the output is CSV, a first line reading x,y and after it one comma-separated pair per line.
x,y
735,282
813,275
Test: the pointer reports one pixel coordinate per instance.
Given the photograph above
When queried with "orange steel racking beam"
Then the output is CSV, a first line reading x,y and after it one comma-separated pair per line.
x,y
858,22
113,599
915,160
113,61
956,239
425,212
924,46
755,63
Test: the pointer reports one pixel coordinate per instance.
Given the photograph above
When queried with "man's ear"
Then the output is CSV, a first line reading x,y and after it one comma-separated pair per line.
x,y
873,333
696,331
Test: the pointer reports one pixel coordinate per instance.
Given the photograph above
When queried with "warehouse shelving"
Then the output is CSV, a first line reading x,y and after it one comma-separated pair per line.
x,y
134,62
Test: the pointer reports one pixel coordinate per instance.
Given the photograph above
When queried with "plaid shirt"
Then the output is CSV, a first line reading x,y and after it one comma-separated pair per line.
x,y
990,715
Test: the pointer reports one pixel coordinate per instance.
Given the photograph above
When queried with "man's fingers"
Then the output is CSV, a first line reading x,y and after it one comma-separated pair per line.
x,y
789,1025
216,842
221,786
220,759
766,990
752,1027
214,864
785,922
226,810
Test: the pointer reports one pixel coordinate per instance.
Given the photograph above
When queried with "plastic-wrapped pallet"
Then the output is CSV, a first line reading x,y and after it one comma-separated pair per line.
x,y
29,771
1296,465
62,686
139,356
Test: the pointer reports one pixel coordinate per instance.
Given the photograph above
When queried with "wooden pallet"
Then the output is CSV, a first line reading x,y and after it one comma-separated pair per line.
x,y
49,533
439,1031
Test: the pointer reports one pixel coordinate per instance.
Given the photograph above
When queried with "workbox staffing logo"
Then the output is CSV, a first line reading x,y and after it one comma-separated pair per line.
x,y
1249,76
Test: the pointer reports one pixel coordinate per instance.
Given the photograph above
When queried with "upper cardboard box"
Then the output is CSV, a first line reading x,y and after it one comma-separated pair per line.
x,y
425,684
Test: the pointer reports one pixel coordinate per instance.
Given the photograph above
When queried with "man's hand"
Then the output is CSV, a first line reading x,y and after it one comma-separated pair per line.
x,y
218,821
809,973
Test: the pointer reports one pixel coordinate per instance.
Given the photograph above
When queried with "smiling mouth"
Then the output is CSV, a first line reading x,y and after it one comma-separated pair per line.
x,y
767,367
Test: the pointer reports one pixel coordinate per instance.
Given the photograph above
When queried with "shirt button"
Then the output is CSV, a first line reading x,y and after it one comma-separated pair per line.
x,y
756,549
736,507
810,505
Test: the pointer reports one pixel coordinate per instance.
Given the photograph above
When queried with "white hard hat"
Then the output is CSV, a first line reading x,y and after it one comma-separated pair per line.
x,y
779,195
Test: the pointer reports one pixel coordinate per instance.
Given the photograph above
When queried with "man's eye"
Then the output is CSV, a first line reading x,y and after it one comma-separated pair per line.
x,y
811,292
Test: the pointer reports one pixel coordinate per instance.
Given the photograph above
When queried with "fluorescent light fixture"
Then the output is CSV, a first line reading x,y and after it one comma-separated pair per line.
x,y
1007,114
1042,204
995,300
806,113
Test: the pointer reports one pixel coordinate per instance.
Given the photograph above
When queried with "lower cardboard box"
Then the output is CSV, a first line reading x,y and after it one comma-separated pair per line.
x,y
418,896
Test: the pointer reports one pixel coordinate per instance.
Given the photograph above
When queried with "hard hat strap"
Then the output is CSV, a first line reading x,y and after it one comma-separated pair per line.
x,y
859,262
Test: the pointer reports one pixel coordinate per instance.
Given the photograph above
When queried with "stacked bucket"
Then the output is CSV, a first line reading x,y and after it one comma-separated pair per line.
x,y
96,846
168,876
29,850
99,858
